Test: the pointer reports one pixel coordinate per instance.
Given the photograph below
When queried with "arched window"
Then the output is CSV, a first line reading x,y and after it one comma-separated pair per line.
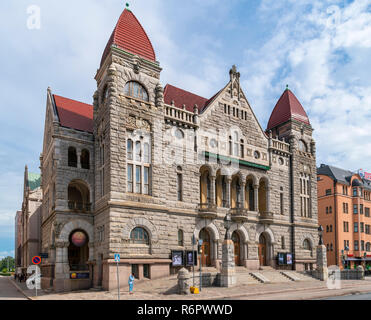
x,y
105,94
85,159
180,238
138,153
235,144
306,245
146,153
136,90
139,236
72,157
302,146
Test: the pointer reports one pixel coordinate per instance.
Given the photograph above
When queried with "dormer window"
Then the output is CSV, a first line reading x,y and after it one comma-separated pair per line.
x,y
136,90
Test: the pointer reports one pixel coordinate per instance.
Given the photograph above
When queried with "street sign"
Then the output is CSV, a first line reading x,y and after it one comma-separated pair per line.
x,y
117,260
117,257
36,260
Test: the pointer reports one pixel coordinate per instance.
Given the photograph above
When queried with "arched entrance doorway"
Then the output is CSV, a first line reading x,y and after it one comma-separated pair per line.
x,y
237,248
262,250
205,254
78,251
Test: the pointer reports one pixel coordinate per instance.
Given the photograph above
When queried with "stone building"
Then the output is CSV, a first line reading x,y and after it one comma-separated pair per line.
x,y
146,168
28,221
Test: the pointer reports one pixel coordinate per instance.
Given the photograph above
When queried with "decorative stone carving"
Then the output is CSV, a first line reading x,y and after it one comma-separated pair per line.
x,y
57,228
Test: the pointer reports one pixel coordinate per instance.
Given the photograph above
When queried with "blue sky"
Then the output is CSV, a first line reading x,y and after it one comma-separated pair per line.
x,y
322,49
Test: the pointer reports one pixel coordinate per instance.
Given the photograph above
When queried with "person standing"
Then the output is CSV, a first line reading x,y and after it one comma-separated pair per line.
x,y
131,283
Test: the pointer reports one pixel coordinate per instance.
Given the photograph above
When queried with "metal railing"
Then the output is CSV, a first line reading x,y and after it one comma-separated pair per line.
x,y
79,206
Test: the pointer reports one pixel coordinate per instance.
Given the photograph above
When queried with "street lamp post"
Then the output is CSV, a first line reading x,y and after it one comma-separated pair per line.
x,y
227,226
320,232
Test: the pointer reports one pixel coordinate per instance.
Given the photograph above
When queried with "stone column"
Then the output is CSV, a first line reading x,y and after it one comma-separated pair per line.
x,y
268,192
62,267
228,275
242,194
229,181
256,200
212,190
322,271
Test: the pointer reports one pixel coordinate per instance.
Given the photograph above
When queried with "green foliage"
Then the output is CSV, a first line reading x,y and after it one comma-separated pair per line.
x,y
4,263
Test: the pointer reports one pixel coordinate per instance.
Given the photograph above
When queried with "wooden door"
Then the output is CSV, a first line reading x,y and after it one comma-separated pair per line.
x,y
205,255
262,254
237,248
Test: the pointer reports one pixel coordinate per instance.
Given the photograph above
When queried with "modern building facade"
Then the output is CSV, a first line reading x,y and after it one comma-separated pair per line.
x,y
344,213
28,221
145,168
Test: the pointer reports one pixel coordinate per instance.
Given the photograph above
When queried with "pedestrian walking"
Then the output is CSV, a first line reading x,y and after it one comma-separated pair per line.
x,y
131,283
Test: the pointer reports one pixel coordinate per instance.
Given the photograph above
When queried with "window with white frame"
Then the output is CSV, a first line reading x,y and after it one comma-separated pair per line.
x,y
138,163
305,207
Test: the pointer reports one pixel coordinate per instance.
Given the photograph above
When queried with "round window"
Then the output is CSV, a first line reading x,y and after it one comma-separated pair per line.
x,y
79,238
213,143
280,161
256,155
179,134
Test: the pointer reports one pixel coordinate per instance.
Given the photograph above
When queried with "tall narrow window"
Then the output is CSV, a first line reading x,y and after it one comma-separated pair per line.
x,y
145,180
180,238
130,178
180,186
281,203
146,153
242,147
72,157
85,159
139,163
138,151
235,144
138,179
230,146
305,195
130,149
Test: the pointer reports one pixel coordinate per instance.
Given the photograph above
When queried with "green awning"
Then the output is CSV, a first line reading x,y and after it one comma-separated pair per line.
x,y
240,162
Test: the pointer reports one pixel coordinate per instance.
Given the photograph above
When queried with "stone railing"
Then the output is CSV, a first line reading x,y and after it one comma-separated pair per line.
x,y
239,214
180,115
266,217
280,146
207,210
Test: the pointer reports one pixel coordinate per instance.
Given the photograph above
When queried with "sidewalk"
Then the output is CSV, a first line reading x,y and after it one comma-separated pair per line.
x,y
164,289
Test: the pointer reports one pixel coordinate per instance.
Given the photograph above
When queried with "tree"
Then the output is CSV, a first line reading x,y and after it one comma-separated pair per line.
x,y
7,262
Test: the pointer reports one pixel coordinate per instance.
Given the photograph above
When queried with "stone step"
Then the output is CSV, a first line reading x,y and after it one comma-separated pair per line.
x,y
291,275
274,276
260,277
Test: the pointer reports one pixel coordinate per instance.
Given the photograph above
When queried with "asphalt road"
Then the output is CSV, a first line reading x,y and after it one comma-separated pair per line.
x,y
8,291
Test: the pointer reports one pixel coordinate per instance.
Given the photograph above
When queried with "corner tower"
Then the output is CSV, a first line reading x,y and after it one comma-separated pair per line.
x,y
128,100
290,122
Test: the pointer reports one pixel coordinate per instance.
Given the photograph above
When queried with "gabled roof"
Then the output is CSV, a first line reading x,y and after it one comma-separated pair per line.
x,y
74,114
288,107
342,176
130,36
337,174
180,97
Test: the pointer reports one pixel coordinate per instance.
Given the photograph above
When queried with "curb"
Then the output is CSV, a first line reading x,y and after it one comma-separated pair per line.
x,y
20,289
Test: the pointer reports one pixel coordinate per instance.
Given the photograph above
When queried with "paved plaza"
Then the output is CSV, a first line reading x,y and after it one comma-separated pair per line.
x,y
165,289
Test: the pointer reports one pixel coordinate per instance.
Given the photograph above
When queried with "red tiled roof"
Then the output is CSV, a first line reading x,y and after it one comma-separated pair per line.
x,y
180,97
130,36
288,107
74,114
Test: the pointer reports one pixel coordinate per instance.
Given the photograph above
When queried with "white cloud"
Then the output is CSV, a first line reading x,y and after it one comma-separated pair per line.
x,y
4,254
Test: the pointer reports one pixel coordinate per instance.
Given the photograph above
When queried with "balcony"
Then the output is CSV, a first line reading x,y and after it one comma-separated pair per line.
x,y
207,210
79,206
239,214
265,217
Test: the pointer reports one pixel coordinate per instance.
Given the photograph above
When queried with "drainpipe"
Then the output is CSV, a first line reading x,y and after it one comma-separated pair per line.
x,y
335,226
